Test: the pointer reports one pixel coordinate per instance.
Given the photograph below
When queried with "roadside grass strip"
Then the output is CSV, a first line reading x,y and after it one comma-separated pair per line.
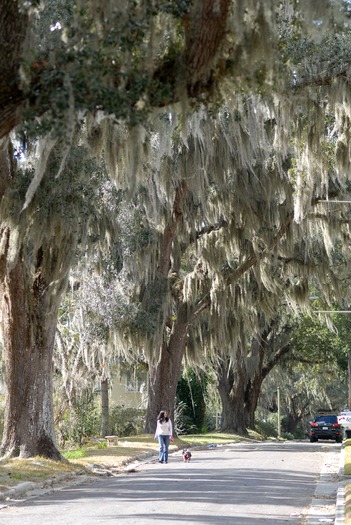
x,y
347,472
14,471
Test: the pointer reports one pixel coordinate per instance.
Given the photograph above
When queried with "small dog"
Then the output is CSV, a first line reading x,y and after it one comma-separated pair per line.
x,y
186,455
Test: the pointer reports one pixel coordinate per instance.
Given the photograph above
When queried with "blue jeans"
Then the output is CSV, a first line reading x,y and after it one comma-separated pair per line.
x,y
163,441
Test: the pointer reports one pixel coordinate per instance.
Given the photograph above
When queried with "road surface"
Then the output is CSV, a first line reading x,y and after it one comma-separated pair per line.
x,y
239,484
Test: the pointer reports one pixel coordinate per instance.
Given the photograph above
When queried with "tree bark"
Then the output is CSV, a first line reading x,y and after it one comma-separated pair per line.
x,y
30,289
261,370
254,383
105,430
28,330
165,373
206,34
231,387
13,28
240,382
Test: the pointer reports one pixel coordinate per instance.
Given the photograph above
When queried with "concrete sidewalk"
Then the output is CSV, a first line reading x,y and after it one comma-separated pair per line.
x,y
328,505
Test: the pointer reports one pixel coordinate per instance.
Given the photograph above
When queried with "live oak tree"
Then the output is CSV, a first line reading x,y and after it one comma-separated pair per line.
x,y
241,373
321,344
110,63
312,375
122,58
31,287
241,264
96,306
307,352
180,322
39,244
40,83
271,254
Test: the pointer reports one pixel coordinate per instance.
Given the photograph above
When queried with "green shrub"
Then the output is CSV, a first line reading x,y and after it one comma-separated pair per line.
x,y
299,433
78,423
191,392
266,428
183,423
127,421
210,423
288,435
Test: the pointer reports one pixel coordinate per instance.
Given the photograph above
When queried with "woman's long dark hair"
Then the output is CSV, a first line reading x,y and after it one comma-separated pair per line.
x,y
161,417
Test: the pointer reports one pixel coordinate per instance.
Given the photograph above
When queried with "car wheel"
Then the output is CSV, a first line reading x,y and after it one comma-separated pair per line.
x,y
338,439
313,439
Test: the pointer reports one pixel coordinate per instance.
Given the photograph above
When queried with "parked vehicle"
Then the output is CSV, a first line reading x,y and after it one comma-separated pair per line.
x,y
326,427
344,419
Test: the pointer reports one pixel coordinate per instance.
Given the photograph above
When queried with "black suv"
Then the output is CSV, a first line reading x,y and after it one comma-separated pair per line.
x,y
325,427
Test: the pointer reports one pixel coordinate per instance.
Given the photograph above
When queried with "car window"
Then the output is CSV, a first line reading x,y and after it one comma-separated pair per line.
x,y
327,419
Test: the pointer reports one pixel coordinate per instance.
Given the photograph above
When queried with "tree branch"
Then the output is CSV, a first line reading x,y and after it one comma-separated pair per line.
x,y
276,358
13,27
170,230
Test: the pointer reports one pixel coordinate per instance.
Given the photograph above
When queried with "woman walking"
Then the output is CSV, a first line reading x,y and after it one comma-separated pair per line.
x,y
164,433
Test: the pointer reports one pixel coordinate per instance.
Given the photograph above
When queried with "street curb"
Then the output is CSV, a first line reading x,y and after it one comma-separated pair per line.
x,y
323,508
32,488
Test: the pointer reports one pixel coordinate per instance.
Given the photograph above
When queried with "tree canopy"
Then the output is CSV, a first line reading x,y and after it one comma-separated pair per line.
x,y
230,122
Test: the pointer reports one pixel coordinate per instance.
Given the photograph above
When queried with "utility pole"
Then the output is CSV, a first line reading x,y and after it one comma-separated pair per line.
x,y
278,402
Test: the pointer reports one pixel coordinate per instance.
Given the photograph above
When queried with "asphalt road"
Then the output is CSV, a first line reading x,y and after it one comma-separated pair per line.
x,y
242,484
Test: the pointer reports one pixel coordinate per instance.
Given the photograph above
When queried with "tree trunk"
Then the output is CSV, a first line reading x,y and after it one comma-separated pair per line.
x,y
164,375
208,25
28,332
254,382
252,393
259,370
33,276
231,387
297,412
291,422
105,430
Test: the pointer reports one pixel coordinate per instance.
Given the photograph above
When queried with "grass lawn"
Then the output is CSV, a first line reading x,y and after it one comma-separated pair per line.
x,y
15,471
